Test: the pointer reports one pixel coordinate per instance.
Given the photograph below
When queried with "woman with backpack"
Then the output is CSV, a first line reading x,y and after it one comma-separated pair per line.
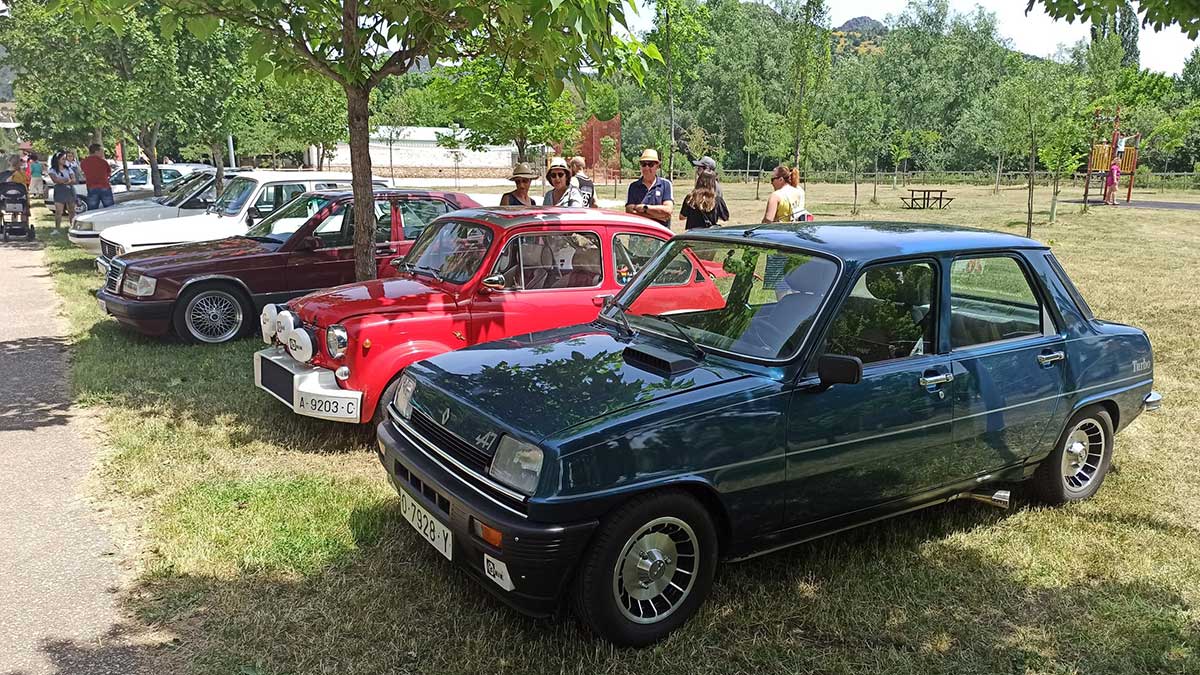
x,y
703,206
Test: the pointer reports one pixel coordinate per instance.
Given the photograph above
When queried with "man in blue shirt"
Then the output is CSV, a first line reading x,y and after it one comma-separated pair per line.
x,y
650,196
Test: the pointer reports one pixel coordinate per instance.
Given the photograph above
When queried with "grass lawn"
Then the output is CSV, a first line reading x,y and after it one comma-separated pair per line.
x,y
273,544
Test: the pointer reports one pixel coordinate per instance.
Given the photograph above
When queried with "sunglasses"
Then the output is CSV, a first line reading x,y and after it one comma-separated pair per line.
x,y
556,174
649,163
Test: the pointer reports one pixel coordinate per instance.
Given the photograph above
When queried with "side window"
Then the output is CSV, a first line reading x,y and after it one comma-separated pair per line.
x,y
275,196
416,214
553,260
338,228
631,252
169,175
991,300
383,221
889,314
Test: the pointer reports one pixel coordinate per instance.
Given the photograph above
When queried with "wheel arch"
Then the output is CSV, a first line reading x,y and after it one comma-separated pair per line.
x,y
701,491
217,278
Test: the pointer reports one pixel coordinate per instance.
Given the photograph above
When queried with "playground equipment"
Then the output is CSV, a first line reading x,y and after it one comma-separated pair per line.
x,y
1101,157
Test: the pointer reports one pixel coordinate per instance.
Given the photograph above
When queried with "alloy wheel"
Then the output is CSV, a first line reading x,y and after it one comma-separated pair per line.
x,y
656,570
1083,454
213,316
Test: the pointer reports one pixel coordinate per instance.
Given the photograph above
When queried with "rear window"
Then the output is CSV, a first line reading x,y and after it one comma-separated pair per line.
x,y
1080,303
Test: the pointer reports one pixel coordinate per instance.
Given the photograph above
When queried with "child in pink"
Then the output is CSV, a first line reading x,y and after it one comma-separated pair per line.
x,y
1110,184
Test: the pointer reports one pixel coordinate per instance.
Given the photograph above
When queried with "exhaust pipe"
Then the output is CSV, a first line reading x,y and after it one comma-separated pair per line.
x,y
999,498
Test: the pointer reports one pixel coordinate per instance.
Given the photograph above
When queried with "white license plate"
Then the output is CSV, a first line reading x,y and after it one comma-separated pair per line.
x,y
103,306
429,527
14,208
327,407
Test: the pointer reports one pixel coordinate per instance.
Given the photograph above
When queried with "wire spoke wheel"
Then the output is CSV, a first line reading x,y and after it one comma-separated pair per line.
x,y
213,316
656,570
1083,454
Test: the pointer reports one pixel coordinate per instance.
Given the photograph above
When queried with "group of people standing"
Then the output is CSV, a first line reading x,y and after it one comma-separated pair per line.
x,y
651,195
62,174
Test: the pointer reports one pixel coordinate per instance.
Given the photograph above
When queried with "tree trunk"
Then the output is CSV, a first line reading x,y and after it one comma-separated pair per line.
x,y
854,174
1054,200
219,162
98,136
758,179
522,150
125,162
895,173
1032,166
875,189
359,118
149,143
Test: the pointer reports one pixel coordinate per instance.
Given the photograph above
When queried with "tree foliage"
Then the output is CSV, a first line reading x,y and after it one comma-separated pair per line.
x,y
1157,14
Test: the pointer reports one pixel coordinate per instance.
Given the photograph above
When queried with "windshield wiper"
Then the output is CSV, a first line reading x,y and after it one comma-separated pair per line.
x,y
433,271
265,240
682,331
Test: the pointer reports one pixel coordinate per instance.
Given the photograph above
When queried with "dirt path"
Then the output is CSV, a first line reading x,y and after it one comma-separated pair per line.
x,y
58,570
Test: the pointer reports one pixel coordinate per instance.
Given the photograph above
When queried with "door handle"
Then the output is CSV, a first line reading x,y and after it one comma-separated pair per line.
x,y
935,380
1047,358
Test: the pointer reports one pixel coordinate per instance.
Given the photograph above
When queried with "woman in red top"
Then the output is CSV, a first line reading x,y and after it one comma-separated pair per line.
x,y
1110,183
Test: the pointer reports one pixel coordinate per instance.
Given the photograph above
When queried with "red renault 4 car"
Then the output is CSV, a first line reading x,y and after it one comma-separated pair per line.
x,y
209,292
472,276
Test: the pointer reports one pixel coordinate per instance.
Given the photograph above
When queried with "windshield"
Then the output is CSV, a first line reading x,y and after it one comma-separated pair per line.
x,y
449,251
236,193
136,176
756,301
179,191
280,225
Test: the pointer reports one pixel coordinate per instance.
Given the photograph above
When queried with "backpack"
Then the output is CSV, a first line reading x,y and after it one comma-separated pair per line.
x,y
588,188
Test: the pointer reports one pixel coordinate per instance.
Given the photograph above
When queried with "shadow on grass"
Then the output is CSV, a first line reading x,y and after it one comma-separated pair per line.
x,y
906,596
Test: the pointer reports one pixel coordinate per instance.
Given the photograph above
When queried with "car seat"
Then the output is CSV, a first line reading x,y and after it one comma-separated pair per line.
x,y
585,269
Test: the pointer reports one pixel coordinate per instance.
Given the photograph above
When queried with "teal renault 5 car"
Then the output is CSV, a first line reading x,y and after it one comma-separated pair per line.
x,y
749,389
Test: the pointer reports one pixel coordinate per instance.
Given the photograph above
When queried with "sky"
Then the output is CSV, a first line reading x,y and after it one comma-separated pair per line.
x,y
1036,34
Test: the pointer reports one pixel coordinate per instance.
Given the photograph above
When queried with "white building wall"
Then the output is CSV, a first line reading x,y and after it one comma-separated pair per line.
x,y
417,147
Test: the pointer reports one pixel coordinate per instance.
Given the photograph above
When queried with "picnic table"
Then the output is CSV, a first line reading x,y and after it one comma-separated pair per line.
x,y
926,198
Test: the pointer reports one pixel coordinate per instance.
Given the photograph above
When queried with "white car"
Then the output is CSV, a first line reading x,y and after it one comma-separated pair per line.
x,y
189,196
246,198
139,181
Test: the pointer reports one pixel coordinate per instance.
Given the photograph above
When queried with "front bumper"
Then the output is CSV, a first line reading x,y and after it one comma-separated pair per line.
x,y
540,558
307,390
152,317
88,240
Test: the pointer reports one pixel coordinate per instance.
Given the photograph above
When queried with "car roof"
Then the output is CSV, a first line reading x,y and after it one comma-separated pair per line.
x,y
387,192
267,176
863,242
506,217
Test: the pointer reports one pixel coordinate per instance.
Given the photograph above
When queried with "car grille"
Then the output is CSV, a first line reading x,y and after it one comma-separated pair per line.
x,y
421,487
451,444
277,380
108,249
112,283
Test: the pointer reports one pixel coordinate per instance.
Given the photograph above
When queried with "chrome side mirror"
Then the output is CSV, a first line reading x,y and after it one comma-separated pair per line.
x,y
494,282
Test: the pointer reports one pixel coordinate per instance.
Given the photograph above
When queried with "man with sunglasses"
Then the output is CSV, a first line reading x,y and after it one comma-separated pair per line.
x,y
650,196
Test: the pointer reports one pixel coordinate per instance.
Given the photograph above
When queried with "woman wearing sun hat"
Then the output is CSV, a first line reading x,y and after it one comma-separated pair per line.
x,y
522,176
561,192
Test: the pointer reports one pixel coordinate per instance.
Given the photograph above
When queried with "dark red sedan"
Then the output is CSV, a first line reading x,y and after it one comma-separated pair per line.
x,y
210,292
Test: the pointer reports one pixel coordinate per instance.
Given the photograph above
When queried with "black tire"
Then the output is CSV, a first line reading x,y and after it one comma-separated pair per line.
x,y
389,393
229,305
1091,428
597,593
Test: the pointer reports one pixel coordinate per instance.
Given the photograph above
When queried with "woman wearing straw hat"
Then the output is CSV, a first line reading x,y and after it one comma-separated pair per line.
x,y
522,176
561,192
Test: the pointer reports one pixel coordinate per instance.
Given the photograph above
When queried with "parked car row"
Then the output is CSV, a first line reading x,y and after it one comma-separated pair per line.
x,y
139,181
577,408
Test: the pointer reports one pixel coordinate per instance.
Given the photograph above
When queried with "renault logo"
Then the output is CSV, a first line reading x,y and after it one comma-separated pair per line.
x,y
445,416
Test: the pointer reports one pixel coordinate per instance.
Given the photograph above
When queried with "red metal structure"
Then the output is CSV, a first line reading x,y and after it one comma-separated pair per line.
x,y
589,143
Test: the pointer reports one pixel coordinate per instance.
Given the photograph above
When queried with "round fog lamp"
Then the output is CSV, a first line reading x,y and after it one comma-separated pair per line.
x,y
342,373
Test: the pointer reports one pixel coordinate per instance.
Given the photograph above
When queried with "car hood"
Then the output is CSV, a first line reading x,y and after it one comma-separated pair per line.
x,y
199,227
132,212
397,295
541,383
207,254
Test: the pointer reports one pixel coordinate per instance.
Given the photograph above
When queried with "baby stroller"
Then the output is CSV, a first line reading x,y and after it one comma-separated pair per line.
x,y
14,211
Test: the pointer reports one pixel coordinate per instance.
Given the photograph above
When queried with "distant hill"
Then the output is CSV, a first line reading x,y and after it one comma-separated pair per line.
x,y
859,35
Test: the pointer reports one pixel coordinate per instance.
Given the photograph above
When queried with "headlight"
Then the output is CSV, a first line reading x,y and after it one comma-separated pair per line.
x,y
138,285
285,322
299,344
83,225
336,341
403,399
121,250
517,464
267,319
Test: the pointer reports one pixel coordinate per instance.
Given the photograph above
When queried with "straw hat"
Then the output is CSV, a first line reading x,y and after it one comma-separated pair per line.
x,y
649,155
557,163
523,170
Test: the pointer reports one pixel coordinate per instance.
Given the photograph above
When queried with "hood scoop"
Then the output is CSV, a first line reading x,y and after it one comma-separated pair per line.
x,y
658,361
